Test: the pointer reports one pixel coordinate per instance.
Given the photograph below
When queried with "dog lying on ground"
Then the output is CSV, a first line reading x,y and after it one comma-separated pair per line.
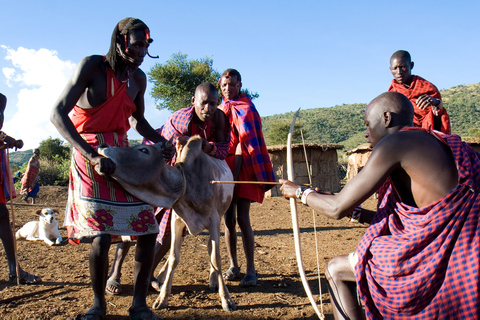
x,y
46,228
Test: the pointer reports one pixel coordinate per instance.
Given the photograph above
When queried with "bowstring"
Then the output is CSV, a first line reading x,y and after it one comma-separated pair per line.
x,y
309,171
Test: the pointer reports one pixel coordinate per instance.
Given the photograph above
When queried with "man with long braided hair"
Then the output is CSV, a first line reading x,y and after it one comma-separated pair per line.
x,y
104,92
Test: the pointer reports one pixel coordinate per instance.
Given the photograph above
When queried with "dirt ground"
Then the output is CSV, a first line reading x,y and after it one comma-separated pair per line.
x,y
279,294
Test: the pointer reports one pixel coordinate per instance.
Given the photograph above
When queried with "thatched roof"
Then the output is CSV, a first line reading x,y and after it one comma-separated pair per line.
x,y
323,147
360,149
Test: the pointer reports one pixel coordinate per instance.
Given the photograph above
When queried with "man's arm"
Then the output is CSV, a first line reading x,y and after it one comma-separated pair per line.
x,y
381,162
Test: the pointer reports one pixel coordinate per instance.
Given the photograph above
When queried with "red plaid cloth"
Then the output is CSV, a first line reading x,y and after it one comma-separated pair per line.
x,y
256,165
423,118
177,125
6,179
30,177
423,263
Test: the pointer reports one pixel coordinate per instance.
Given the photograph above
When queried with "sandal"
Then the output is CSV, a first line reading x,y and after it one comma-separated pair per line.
x,y
25,278
115,284
232,274
250,280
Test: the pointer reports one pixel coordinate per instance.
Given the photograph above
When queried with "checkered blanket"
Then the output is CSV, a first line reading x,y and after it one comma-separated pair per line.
x,y
423,263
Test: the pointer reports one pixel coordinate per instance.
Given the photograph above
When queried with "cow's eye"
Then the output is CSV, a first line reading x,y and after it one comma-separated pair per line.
x,y
144,150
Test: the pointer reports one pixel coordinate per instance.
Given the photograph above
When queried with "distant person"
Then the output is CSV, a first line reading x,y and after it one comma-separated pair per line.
x,y
104,92
425,97
249,161
30,185
203,118
6,192
419,257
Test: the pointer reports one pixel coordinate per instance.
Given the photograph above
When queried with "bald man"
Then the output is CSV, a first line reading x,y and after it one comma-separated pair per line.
x,y
419,257
424,95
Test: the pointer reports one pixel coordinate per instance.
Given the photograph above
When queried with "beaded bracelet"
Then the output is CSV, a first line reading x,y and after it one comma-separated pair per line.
x,y
214,148
305,194
356,213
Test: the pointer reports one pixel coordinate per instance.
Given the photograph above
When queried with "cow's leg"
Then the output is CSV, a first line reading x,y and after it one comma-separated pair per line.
x,y
216,278
173,260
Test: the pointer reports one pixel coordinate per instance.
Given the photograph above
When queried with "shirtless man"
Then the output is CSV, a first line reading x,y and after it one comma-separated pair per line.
x,y
419,257
424,95
104,92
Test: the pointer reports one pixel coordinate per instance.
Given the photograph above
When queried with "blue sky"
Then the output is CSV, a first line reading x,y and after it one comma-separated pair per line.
x,y
306,54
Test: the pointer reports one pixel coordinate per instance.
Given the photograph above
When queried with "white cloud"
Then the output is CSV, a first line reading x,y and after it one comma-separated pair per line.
x,y
40,77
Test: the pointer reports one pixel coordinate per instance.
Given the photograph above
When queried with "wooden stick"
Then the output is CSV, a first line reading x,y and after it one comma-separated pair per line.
x,y
251,182
9,186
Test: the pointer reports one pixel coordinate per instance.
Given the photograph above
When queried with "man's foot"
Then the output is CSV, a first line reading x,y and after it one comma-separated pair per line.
x,y
25,278
92,314
113,286
232,274
145,314
250,280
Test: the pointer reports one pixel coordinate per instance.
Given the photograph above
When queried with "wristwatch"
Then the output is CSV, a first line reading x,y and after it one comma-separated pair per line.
x,y
300,192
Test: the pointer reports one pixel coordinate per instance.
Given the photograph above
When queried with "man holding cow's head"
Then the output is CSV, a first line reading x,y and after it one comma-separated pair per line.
x,y
203,118
104,92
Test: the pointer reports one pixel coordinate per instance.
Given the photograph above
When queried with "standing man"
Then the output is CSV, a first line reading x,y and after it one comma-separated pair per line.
x,y
103,93
203,118
249,161
419,257
6,192
30,185
425,97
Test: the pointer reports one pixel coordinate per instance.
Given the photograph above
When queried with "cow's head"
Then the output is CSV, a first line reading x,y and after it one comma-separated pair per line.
x,y
142,171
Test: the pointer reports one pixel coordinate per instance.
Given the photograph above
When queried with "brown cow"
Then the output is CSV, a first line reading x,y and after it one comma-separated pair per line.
x,y
197,204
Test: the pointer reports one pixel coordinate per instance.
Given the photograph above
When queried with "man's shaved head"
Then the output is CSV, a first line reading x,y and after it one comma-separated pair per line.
x,y
401,55
397,104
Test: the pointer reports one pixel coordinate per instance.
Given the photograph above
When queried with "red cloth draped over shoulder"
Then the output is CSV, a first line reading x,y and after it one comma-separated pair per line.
x,y
256,165
110,116
423,117
422,263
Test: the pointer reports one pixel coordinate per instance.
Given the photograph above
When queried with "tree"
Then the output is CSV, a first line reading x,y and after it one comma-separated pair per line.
x,y
175,81
277,132
53,148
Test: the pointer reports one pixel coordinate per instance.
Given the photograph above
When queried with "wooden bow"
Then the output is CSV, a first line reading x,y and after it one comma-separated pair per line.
x,y
296,229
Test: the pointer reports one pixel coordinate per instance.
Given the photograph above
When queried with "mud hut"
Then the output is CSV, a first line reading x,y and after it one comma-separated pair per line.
x,y
356,159
322,161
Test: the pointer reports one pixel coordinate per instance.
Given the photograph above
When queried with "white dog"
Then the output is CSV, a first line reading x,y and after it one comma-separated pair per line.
x,y
46,228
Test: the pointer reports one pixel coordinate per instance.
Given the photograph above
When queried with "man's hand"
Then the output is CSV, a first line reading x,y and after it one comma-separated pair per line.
x,y
12,143
168,150
206,147
18,144
104,166
425,101
288,188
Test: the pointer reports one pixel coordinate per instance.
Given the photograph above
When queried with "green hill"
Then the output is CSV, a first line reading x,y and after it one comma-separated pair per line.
x,y
343,124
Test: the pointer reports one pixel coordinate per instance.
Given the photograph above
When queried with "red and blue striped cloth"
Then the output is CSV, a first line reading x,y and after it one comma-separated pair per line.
x,y
245,119
423,263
